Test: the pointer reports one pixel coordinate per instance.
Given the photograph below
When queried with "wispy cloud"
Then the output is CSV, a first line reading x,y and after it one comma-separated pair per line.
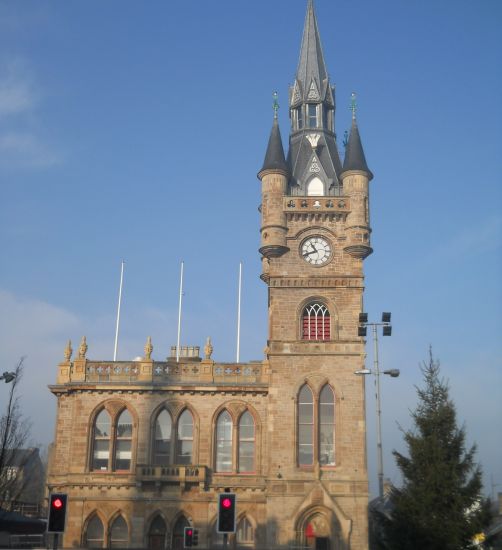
x,y
26,150
17,94
22,142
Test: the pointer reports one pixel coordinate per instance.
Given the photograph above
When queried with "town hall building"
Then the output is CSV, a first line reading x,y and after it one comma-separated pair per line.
x,y
143,448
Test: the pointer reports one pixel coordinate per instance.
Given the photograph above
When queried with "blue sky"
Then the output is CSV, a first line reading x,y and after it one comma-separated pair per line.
x,y
135,131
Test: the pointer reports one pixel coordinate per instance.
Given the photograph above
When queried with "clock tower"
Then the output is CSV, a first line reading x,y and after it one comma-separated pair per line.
x,y
315,234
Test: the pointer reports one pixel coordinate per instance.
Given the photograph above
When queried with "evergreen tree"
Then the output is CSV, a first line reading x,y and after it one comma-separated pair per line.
x,y
440,506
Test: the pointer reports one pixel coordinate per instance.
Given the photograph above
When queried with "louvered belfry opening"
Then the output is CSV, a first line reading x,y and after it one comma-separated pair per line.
x,y
316,322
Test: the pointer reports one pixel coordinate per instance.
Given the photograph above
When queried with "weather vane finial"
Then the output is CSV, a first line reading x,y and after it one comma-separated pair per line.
x,y
353,105
276,103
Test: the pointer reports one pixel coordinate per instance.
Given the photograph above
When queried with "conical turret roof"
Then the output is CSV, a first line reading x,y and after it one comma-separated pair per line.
x,y
354,153
274,157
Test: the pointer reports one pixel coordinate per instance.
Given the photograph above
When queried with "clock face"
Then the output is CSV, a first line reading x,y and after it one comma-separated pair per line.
x,y
316,250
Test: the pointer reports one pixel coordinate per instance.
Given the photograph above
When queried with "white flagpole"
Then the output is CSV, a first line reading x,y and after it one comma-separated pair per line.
x,y
118,312
179,315
239,314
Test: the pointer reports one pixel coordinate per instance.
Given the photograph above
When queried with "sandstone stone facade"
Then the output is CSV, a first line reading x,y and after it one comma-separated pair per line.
x,y
144,448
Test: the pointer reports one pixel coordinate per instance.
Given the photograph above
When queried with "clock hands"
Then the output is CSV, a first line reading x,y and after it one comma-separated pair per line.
x,y
314,250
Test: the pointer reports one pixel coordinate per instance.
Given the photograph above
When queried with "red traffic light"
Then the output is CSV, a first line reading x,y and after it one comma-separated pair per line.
x,y
189,532
226,503
57,503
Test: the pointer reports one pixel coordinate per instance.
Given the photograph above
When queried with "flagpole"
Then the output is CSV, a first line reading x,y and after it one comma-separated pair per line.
x,y
179,315
118,312
239,314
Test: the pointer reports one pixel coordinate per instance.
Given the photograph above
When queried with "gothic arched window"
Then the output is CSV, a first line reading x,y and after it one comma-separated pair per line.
x,y
315,187
316,426
179,531
305,426
246,443
316,322
101,441
119,536
95,533
157,534
162,441
327,427
224,429
184,443
123,441
245,534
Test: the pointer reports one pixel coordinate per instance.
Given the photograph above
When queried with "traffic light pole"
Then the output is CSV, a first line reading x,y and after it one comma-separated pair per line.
x,y
56,540
225,541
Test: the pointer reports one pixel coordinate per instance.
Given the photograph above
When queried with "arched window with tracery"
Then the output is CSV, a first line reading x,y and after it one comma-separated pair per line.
x,y
184,443
123,441
94,533
316,322
162,441
119,535
101,441
327,427
246,442
305,426
224,429
245,534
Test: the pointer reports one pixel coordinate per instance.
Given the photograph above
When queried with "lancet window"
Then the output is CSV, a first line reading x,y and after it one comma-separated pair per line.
x,y
316,426
112,440
173,444
235,443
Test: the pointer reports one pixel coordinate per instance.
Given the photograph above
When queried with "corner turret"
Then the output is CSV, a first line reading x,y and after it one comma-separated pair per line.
x,y
274,179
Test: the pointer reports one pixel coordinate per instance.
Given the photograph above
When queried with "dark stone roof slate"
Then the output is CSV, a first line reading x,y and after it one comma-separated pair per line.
x,y
354,153
274,157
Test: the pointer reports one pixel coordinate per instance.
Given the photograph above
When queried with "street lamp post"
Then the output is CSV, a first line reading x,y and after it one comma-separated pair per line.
x,y
394,373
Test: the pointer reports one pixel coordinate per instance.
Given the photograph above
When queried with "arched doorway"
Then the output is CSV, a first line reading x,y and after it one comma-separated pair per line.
x,y
317,533
178,532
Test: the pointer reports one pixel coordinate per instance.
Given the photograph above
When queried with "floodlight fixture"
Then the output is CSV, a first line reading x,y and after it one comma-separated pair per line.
x,y
363,318
394,373
386,317
387,330
362,331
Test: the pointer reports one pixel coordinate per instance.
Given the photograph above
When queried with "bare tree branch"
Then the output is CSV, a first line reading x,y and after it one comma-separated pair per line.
x,y
14,435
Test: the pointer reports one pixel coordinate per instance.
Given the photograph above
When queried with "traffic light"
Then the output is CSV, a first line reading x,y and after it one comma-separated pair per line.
x,y
188,537
57,513
226,513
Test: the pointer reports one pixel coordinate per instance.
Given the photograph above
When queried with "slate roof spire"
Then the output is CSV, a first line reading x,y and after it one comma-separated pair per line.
x,y
311,66
274,157
313,152
354,153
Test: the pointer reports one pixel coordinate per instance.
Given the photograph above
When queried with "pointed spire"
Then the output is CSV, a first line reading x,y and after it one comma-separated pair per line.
x,y
311,73
274,157
354,154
